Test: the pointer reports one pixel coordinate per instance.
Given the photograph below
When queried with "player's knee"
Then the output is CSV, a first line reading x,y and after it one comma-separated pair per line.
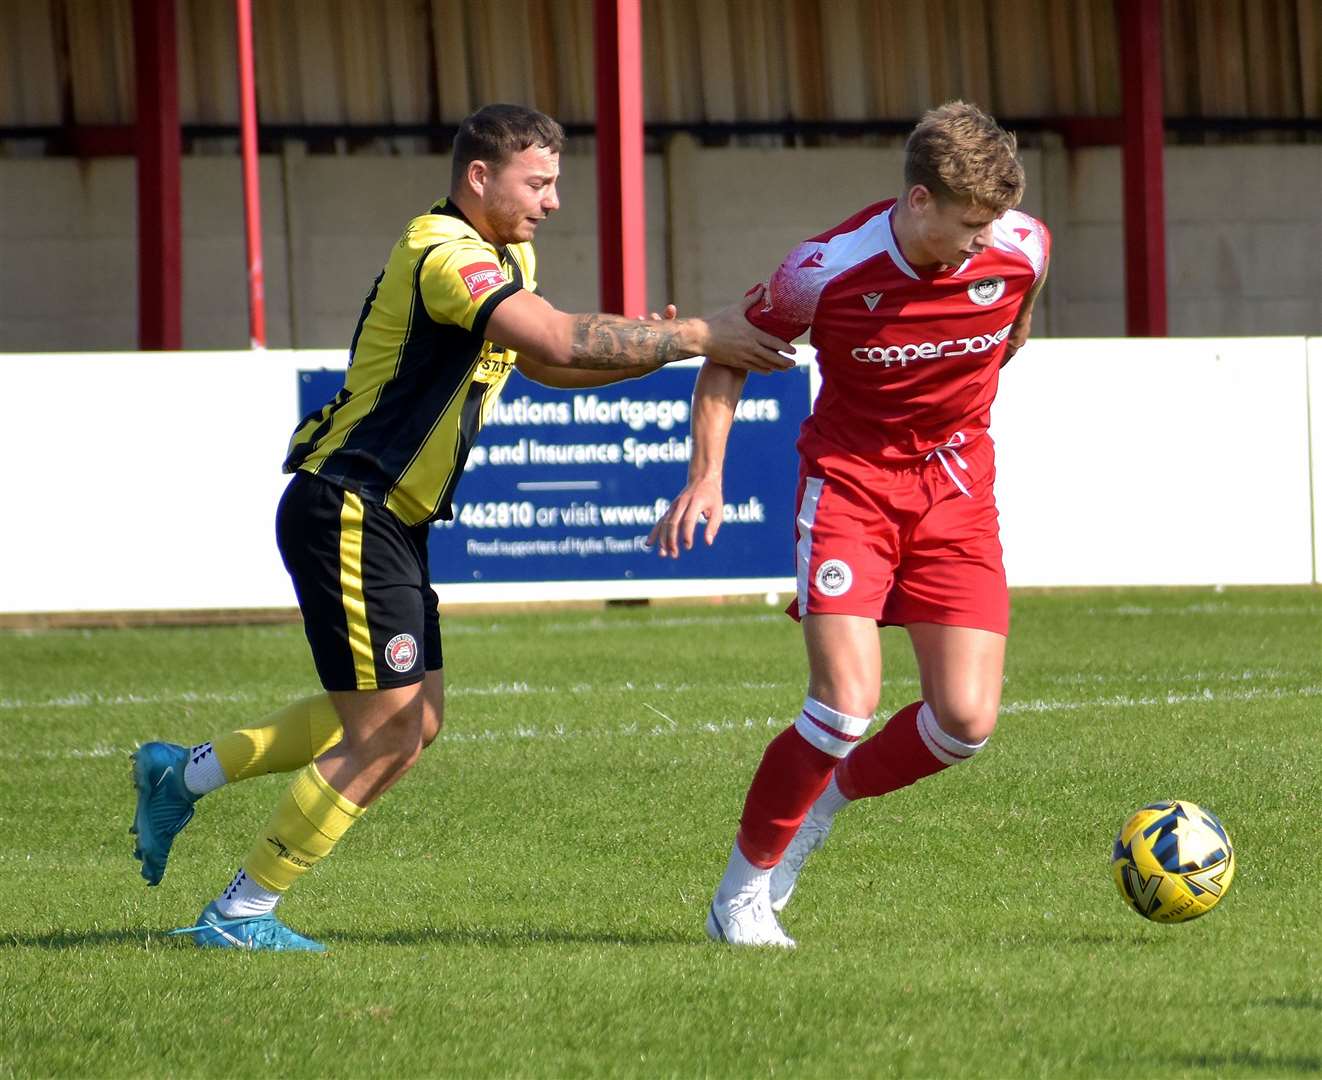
x,y
433,707
852,699
433,719
967,719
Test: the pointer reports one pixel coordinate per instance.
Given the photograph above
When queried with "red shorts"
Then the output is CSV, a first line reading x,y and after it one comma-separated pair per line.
x,y
902,543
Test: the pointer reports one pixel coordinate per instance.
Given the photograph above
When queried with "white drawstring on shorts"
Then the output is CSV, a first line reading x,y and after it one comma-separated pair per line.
x,y
948,452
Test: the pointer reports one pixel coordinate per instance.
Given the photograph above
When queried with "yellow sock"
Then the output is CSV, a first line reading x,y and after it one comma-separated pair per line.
x,y
309,819
297,734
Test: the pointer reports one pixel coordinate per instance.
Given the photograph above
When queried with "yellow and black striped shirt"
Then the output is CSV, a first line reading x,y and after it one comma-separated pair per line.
x,y
421,375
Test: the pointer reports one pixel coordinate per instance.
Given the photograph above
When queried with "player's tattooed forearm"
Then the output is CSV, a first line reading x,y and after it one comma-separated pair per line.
x,y
611,341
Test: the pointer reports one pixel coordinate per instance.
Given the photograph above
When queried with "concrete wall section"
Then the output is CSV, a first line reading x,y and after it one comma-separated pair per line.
x,y
1243,234
68,246
344,214
68,263
735,213
215,255
1086,283
1244,237
68,255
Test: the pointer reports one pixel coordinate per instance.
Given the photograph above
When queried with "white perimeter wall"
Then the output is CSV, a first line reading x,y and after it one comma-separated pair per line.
x,y
149,481
1176,462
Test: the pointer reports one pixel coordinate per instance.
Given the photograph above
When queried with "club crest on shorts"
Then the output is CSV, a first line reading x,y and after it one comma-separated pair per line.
x,y
402,652
834,577
987,290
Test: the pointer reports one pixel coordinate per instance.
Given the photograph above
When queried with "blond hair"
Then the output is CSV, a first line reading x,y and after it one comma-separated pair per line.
x,y
959,152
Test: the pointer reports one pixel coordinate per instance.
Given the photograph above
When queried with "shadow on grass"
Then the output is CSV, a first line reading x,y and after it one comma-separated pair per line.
x,y
1294,1001
501,937
1238,1060
82,939
1121,939
494,937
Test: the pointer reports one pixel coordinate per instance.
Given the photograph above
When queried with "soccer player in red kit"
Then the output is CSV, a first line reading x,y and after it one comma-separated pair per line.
x,y
914,304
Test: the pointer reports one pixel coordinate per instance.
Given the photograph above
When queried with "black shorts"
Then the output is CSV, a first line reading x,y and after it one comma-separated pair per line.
x,y
363,586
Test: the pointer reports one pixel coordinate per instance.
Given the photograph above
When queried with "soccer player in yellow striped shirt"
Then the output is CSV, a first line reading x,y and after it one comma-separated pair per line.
x,y
453,312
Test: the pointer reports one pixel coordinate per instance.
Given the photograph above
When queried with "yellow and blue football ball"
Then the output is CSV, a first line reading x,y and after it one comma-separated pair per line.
x,y
1173,861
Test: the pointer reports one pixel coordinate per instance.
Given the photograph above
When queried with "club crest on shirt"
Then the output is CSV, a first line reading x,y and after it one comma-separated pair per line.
x,y
834,577
987,290
481,278
402,652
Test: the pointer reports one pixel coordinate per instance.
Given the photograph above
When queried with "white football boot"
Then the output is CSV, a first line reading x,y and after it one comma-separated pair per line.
x,y
746,919
810,836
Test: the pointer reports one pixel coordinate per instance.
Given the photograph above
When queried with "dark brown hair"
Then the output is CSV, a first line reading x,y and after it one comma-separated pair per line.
x,y
495,133
959,152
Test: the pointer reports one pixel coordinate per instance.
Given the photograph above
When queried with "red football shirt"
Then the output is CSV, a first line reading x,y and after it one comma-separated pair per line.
x,y
908,356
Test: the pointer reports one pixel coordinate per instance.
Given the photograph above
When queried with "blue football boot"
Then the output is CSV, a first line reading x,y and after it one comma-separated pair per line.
x,y
214,931
164,807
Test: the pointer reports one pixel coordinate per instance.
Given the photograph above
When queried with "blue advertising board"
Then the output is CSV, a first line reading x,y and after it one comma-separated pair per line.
x,y
565,486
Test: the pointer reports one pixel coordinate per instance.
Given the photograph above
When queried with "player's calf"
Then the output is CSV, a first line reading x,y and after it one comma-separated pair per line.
x,y
911,746
809,837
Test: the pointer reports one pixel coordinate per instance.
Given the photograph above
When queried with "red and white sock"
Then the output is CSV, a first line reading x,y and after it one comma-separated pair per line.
x,y
910,747
795,768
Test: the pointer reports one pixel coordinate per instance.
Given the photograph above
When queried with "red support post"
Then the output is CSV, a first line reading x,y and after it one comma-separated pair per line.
x,y
1139,24
252,207
160,244
621,212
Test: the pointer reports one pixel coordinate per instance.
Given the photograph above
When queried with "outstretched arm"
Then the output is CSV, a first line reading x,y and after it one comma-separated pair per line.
x,y
567,378
715,396
599,342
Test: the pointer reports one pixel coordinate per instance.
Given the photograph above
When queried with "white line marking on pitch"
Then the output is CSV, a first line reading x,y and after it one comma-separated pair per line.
x,y
559,731
1204,608
86,700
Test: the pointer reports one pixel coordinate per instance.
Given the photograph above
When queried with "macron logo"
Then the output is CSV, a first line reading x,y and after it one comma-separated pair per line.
x,y
871,298
813,260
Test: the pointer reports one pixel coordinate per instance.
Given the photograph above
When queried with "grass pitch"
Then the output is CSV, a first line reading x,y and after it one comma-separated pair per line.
x,y
529,901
